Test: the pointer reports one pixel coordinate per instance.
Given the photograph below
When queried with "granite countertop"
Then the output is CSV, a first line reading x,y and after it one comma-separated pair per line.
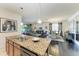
x,y
36,47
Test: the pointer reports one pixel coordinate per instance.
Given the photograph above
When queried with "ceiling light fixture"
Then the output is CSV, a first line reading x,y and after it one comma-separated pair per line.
x,y
21,23
39,21
21,10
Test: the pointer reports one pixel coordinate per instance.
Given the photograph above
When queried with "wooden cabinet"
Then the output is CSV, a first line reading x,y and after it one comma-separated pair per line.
x,y
25,52
16,50
12,48
7,46
10,53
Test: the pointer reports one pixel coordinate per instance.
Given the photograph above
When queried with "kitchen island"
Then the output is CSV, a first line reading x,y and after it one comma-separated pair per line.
x,y
16,46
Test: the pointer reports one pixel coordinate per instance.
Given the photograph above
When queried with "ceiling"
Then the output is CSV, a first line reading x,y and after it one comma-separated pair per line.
x,y
31,12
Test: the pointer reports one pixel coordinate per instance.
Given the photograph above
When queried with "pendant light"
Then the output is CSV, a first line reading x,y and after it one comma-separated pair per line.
x,y
21,9
39,20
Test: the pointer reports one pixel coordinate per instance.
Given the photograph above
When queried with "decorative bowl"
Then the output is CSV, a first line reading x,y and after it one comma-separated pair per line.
x,y
35,39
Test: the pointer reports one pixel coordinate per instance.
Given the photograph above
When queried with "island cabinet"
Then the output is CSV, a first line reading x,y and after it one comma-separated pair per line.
x,y
17,50
15,47
26,52
7,46
12,48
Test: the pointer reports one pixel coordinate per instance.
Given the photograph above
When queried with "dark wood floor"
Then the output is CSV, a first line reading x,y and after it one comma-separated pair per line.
x,y
69,49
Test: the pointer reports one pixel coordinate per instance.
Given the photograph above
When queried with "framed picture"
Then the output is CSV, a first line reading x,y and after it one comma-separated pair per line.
x,y
7,25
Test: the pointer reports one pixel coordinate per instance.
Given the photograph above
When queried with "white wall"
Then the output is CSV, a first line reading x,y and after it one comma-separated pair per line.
x,y
69,24
65,25
77,18
10,15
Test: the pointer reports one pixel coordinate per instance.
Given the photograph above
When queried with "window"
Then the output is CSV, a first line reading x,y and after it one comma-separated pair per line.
x,y
55,27
77,26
